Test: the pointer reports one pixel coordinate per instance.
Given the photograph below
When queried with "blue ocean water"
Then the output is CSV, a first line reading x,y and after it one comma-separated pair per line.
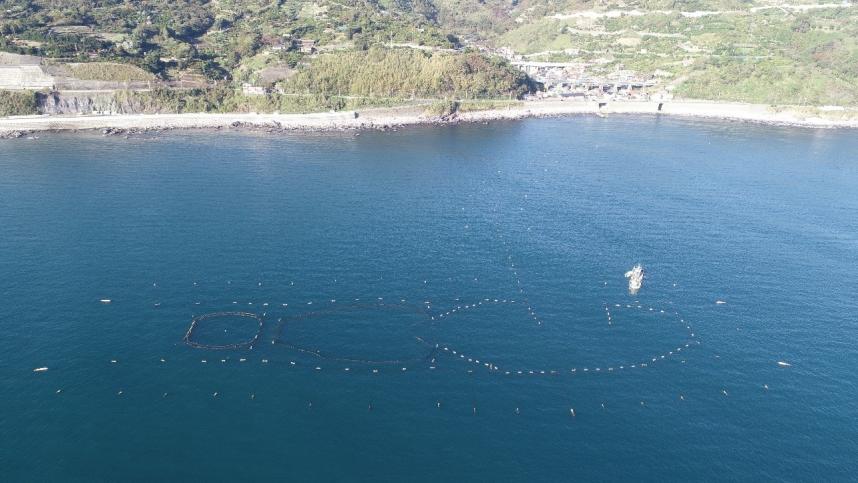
x,y
506,243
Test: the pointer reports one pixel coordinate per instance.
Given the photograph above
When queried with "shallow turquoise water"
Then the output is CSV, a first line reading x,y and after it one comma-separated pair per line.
x,y
548,213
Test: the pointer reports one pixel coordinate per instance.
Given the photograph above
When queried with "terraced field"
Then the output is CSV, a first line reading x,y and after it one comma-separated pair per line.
x,y
756,52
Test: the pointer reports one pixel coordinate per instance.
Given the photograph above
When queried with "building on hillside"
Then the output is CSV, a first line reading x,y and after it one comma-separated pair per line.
x,y
306,46
252,90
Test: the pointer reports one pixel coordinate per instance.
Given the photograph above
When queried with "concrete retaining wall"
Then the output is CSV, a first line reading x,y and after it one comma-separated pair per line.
x,y
18,77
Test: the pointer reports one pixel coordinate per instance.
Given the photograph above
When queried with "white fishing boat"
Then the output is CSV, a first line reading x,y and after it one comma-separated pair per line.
x,y
635,276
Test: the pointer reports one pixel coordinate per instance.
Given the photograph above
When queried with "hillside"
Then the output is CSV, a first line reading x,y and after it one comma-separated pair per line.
x,y
371,52
766,52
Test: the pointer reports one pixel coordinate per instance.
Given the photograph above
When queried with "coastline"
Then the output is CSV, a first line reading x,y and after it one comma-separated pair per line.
x,y
385,118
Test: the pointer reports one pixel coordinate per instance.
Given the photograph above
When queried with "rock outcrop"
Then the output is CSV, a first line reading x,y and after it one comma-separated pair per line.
x,y
87,103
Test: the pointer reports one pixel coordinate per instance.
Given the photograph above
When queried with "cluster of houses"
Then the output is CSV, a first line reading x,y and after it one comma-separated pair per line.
x,y
580,80
305,46
591,79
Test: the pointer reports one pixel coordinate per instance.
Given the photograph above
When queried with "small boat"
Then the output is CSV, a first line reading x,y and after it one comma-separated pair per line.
x,y
40,369
635,276
784,364
105,301
720,302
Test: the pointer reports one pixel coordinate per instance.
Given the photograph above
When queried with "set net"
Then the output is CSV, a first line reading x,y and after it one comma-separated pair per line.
x,y
224,330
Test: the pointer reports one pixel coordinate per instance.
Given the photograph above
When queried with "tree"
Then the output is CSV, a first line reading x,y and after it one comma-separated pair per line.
x,y
152,62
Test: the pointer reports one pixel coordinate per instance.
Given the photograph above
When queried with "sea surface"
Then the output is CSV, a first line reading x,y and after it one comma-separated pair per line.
x,y
436,304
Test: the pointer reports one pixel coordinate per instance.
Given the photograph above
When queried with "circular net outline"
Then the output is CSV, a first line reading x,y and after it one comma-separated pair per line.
x,y
531,312
188,339
644,362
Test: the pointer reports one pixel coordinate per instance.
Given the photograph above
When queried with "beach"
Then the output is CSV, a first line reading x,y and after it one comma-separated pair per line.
x,y
383,118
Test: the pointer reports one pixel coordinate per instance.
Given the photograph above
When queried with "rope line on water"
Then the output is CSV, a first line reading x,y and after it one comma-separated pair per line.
x,y
282,331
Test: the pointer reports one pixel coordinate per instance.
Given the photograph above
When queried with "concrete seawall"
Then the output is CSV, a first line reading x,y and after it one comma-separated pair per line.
x,y
376,118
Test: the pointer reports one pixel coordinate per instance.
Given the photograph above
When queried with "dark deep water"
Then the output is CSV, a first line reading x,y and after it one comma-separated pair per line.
x,y
548,213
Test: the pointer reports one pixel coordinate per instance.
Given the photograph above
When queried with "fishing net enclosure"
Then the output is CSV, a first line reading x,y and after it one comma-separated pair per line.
x,y
503,335
224,330
372,333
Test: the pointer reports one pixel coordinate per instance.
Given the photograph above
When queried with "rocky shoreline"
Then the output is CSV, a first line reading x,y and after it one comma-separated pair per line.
x,y
395,118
